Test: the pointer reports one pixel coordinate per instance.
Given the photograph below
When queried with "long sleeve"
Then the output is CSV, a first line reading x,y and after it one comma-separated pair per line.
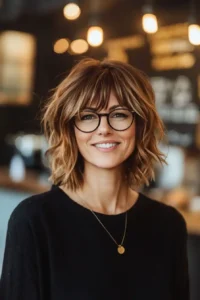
x,y
181,276
19,280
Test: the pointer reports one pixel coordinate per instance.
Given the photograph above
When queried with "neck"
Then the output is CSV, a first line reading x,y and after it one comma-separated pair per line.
x,y
104,190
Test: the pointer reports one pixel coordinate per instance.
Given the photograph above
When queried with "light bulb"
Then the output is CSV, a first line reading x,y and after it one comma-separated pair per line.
x,y
95,36
149,22
79,46
61,46
194,34
71,11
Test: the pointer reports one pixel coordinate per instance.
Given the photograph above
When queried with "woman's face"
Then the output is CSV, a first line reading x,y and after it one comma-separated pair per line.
x,y
105,147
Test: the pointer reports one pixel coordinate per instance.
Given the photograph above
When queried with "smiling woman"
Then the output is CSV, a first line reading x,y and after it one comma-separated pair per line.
x,y
93,236
89,86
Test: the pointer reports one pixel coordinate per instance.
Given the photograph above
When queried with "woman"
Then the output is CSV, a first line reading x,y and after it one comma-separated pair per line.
x,y
93,236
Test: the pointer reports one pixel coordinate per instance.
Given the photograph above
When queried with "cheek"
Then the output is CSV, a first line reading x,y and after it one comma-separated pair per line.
x,y
80,136
81,139
130,141
130,136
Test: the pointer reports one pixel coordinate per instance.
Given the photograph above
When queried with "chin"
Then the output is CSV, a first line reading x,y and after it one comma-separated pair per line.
x,y
106,164
107,167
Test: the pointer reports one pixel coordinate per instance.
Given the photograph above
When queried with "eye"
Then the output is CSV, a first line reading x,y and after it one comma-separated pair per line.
x,y
120,115
87,117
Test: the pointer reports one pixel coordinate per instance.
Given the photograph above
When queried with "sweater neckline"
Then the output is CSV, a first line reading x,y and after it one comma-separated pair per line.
x,y
83,208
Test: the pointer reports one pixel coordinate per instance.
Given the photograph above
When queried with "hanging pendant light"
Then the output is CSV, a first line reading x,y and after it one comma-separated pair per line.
x,y
78,46
61,46
95,36
193,27
72,10
194,34
149,19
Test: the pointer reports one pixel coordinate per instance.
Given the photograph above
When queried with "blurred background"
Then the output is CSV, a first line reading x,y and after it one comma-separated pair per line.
x,y
41,40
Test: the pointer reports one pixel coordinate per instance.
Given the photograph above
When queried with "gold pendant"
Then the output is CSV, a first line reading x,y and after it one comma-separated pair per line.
x,y
121,249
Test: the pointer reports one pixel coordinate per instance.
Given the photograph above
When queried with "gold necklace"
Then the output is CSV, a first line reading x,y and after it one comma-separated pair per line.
x,y
120,247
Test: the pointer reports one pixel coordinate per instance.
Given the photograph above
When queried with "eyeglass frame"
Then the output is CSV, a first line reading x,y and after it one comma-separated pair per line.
x,y
107,117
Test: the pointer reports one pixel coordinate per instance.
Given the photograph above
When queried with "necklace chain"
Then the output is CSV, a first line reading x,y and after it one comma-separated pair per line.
x,y
120,247
125,227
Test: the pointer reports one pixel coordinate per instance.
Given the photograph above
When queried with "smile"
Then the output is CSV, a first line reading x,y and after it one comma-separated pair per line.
x,y
106,145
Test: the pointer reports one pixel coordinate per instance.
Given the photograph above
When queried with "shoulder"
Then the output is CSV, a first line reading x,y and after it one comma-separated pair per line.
x,y
33,206
163,214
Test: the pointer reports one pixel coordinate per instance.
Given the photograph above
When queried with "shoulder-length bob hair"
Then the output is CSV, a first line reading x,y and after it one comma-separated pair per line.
x,y
90,82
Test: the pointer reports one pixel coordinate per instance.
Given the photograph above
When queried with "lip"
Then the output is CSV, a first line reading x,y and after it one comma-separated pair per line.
x,y
106,142
106,149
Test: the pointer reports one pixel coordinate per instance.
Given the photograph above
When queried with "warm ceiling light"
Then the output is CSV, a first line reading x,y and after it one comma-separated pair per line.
x,y
71,11
61,46
149,23
95,36
194,34
79,46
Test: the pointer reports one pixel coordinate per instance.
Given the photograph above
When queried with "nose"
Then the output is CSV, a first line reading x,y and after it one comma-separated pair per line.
x,y
104,127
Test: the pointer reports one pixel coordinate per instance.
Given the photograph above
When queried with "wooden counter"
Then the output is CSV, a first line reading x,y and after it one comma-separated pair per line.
x,y
193,221
30,184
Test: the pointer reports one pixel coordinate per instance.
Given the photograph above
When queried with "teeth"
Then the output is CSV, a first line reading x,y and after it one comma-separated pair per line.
x,y
106,145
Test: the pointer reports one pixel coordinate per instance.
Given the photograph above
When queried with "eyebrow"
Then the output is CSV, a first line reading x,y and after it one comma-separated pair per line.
x,y
111,108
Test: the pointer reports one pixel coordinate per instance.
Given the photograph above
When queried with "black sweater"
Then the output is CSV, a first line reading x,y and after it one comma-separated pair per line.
x,y
57,250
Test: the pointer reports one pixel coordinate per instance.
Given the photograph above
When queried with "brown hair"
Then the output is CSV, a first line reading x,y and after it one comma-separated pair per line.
x,y
91,82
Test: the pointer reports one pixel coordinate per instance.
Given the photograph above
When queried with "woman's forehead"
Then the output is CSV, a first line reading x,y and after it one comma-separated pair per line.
x,y
111,106
107,102
112,101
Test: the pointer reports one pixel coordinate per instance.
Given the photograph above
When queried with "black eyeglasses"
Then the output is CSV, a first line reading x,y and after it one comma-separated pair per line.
x,y
119,119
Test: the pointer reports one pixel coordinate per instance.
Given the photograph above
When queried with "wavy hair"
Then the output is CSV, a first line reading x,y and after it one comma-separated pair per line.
x,y
90,82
